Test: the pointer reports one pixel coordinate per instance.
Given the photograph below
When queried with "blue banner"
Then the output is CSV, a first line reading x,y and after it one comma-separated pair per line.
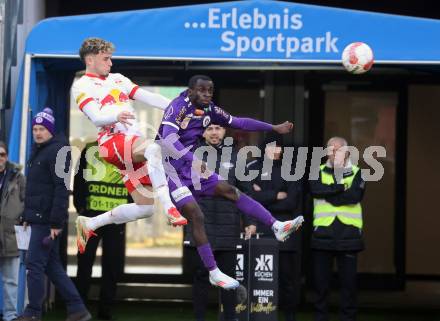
x,y
245,30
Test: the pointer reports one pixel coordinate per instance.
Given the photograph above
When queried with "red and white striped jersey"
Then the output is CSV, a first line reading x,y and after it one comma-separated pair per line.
x,y
103,98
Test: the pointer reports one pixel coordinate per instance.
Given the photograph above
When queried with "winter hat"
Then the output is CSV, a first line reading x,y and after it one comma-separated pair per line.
x,y
45,118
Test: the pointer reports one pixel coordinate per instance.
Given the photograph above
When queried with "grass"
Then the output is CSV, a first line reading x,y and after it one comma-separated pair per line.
x,y
149,311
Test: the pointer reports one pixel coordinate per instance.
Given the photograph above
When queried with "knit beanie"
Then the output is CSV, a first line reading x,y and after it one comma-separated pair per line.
x,y
45,118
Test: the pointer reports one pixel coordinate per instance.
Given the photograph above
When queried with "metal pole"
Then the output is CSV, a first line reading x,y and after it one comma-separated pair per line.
x,y
2,74
25,109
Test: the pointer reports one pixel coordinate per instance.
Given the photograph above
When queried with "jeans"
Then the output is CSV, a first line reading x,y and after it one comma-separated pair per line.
x,y
9,271
45,259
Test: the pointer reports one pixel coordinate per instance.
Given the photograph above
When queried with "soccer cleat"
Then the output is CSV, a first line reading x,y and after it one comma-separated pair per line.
x,y
218,278
82,233
175,218
283,230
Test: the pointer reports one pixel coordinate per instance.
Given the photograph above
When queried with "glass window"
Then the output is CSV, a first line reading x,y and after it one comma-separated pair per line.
x,y
367,119
422,218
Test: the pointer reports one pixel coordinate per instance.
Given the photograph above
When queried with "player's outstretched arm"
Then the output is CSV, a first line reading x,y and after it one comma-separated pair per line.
x,y
257,125
151,99
283,128
223,118
88,105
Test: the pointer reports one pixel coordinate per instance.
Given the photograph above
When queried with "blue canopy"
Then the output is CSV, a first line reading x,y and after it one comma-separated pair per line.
x,y
261,31
244,30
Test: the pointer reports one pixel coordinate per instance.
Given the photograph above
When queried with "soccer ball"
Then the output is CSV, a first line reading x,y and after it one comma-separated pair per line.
x,y
357,58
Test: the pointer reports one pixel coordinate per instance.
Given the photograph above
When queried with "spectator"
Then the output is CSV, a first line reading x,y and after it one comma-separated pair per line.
x,y
283,199
91,197
337,222
46,212
12,189
222,225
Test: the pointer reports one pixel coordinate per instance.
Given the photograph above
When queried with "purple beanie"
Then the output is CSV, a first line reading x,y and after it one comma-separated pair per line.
x,y
45,118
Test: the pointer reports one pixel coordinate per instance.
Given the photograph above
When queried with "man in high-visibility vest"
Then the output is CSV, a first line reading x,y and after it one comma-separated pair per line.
x,y
98,187
337,223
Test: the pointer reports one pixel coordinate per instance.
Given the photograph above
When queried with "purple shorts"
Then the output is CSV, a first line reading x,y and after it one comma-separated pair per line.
x,y
185,188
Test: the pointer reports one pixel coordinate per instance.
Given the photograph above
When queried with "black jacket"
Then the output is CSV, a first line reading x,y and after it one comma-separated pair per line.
x,y
46,199
80,191
338,236
222,218
282,210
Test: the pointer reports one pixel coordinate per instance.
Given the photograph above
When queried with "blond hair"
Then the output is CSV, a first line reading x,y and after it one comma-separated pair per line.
x,y
95,46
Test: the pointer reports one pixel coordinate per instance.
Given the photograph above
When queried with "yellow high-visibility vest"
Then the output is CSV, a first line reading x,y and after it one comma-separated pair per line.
x,y
325,213
107,193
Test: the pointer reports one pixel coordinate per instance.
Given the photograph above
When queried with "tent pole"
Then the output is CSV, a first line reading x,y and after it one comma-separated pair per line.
x,y
25,109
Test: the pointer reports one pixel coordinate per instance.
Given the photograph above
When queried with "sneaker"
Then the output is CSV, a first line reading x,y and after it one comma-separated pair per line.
x,y
175,218
79,316
283,230
218,278
82,233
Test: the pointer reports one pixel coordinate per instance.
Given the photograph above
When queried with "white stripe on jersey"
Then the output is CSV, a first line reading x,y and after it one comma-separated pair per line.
x,y
171,124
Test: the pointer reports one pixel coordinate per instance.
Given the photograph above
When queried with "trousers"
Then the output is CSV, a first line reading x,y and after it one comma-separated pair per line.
x,y
346,262
44,259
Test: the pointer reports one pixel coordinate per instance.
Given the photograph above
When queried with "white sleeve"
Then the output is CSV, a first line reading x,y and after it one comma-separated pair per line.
x,y
147,97
88,105
152,99
100,118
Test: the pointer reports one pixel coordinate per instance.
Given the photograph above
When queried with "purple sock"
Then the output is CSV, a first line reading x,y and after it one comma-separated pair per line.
x,y
207,256
254,209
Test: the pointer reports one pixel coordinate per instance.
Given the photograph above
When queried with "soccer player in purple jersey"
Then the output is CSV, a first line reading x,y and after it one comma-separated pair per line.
x,y
183,124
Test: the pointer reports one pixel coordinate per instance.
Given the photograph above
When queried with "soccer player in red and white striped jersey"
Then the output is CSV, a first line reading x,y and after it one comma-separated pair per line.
x,y
105,98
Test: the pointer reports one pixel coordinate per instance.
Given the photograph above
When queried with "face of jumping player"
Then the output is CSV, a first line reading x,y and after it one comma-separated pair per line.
x,y
201,94
99,64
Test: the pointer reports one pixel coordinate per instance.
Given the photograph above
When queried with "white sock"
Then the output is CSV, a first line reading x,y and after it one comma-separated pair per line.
x,y
157,174
214,273
163,194
276,224
120,215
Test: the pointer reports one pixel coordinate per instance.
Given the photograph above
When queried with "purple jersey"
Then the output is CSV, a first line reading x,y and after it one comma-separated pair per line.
x,y
182,118
189,123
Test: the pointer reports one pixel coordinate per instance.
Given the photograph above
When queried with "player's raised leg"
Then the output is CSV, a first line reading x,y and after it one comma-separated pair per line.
x,y
187,204
250,207
144,150
141,208
216,277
